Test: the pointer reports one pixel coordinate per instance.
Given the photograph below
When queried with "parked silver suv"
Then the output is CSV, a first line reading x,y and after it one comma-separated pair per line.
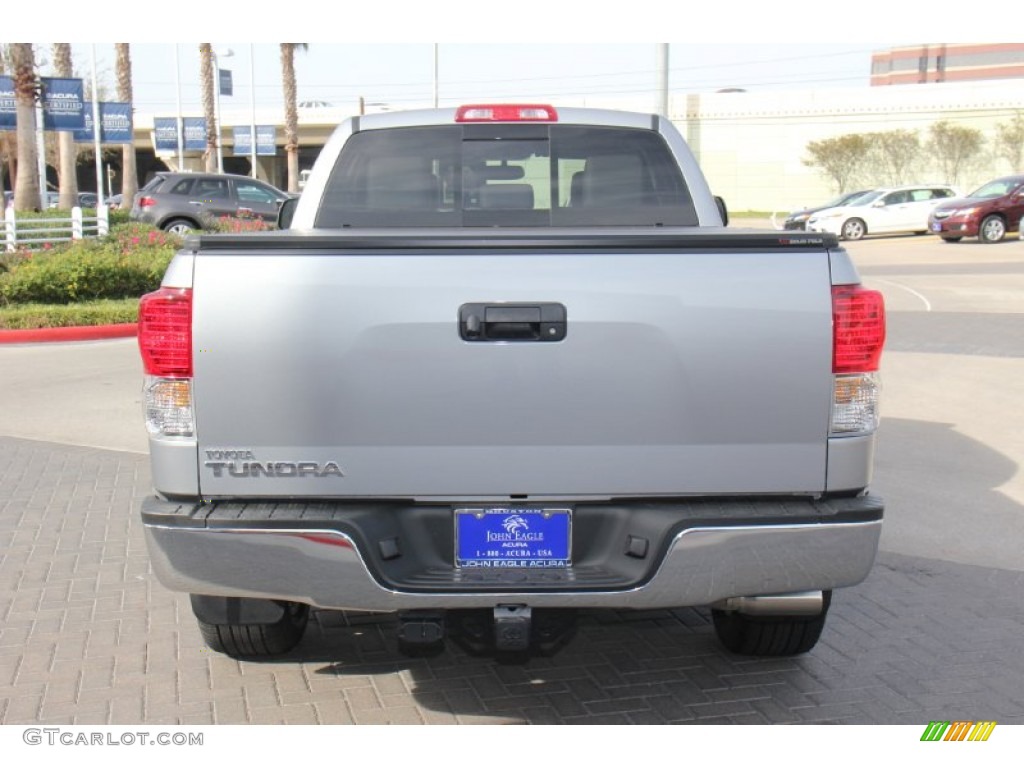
x,y
182,202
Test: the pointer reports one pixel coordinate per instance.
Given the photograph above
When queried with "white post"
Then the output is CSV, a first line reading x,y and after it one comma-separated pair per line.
x,y
44,198
97,127
10,233
76,223
102,220
181,129
663,105
252,104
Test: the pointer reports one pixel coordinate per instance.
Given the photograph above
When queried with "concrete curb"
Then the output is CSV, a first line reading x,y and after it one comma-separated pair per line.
x,y
70,333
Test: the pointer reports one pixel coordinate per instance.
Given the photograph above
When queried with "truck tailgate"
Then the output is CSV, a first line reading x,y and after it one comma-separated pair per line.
x,y
690,370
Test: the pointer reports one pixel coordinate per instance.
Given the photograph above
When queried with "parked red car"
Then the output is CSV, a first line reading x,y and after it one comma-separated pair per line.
x,y
988,213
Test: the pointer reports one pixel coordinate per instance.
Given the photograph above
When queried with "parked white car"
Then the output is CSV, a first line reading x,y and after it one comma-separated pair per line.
x,y
884,211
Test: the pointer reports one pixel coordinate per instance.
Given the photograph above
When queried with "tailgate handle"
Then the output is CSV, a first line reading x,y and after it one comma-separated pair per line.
x,y
526,321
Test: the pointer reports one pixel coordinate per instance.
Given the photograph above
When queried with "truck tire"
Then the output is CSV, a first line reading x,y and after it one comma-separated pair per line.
x,y
769,635
258,640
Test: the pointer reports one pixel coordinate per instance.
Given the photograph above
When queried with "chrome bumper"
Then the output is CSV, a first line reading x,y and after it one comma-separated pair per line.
x,y
324,567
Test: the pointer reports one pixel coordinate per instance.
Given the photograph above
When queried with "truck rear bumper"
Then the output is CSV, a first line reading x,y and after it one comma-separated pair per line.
x,y
390,557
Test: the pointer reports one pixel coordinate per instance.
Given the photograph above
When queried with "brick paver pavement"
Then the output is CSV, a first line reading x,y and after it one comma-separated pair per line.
x,y
89,637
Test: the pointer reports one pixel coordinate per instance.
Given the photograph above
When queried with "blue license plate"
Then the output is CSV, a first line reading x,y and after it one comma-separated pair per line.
x,y
507,537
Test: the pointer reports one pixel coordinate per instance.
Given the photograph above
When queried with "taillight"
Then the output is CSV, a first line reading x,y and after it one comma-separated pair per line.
x,y
858,329
858,334
165,340
146,202
165,332
504,113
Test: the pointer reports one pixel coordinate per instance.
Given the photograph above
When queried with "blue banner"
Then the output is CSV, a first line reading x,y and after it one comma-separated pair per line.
x,y
195,134
115,124
165,130
224,76
63,103
266,140
8,109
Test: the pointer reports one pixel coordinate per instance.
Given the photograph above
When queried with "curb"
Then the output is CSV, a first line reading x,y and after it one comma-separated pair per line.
x,y
69,333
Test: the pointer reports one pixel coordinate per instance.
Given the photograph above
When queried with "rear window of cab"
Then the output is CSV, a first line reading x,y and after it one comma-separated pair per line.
x,y
506,174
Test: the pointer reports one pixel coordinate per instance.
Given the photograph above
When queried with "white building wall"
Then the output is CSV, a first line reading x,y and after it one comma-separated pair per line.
x,y
752,145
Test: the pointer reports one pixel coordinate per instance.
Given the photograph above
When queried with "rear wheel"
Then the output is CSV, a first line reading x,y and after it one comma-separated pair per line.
x,y
853,229
248,639
180,227
992,229
770,635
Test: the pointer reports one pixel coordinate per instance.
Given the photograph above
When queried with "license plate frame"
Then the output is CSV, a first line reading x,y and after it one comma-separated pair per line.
x,y
513,537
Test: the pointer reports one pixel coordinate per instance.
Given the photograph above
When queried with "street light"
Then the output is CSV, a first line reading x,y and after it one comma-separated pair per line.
x,y
216,116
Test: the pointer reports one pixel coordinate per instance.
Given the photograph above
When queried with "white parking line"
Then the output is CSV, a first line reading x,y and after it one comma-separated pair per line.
x,y
922,297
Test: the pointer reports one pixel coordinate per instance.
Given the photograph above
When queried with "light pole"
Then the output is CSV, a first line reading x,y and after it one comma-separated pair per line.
x,y
216,116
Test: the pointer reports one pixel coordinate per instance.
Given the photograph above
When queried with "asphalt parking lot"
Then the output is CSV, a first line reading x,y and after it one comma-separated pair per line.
x,y
89,637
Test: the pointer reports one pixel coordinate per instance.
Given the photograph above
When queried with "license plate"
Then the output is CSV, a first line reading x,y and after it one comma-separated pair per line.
x,y
936,227
513,537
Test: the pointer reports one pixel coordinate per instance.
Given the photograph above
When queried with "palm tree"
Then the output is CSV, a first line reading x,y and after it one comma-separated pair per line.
x,y
209,109
129,168
67,165
291,112
26,93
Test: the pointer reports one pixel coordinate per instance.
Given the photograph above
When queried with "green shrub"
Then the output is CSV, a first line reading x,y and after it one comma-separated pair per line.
x,y
127,263
102,312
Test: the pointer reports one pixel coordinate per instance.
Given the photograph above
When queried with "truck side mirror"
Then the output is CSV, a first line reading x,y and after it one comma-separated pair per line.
x,y
286,213
722,210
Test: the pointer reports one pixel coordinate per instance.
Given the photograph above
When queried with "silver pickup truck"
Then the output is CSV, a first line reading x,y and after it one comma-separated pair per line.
x,y
508,362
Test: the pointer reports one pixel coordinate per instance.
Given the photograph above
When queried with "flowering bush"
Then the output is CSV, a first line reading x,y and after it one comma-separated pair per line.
x,y
237,224
128,262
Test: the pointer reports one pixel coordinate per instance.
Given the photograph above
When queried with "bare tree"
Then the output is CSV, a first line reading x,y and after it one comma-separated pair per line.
x,y
953,146
67,155
291,112
892,154
1010,142
129,166
840,158
209,107
26,93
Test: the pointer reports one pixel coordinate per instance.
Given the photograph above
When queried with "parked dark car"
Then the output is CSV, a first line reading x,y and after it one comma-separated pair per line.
x,y
182,202
798,219
988,213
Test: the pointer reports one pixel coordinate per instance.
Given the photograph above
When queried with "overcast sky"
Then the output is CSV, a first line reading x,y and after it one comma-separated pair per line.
x,y
579,52
401,75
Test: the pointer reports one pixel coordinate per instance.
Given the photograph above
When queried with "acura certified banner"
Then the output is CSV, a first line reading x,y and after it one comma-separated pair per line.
x,y
165,134
266,140
8,115
63,103
195,134
115,124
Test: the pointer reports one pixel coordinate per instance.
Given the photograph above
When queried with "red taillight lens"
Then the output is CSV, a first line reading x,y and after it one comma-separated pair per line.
x,y
858,329
146,202
165,332
486,113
